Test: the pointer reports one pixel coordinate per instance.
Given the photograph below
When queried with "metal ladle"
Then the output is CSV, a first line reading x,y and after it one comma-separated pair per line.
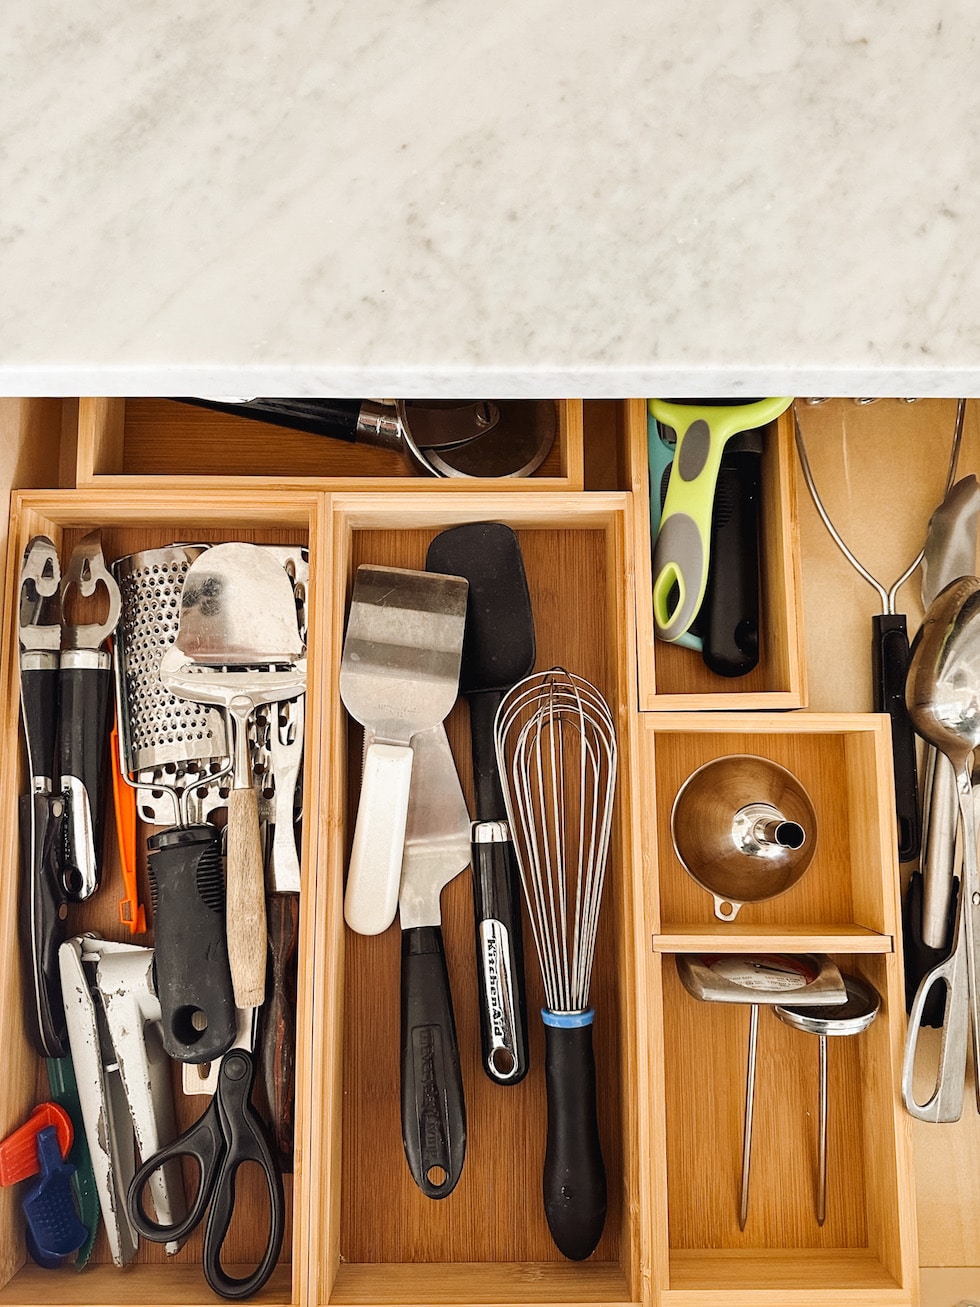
x,y
850,1018
943,698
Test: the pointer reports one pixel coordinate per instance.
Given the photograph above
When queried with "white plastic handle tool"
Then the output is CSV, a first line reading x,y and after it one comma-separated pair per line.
x,y
374,875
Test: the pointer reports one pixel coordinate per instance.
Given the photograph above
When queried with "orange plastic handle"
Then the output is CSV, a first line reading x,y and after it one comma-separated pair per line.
x,y
131,911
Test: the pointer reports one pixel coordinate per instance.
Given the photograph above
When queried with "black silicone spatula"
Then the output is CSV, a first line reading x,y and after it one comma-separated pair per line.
x,y
498,651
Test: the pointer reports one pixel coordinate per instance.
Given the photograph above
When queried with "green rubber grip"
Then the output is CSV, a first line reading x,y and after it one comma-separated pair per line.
x,y
680,556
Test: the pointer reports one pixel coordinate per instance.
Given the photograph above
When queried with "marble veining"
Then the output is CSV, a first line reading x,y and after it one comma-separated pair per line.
x,y
447,197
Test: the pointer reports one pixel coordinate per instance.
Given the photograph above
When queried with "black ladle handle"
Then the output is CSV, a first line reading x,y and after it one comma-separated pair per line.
x,y
574,1182
433,1108
890,664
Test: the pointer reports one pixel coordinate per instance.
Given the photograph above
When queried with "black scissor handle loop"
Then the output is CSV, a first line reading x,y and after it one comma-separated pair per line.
x,y
246,1142
205,1143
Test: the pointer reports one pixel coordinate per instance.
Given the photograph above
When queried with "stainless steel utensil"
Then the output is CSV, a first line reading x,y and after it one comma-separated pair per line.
x,y
399,674
744,828
849,1018
812,978
943,695
238,646
556,753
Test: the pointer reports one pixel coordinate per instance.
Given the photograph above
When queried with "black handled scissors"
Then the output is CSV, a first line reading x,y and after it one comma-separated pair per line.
x,y
229,1134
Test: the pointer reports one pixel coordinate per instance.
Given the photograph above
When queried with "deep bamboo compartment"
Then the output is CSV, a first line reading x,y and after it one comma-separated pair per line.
x,y
379,1239
673,677
130,523
865,1252
847,900
127,442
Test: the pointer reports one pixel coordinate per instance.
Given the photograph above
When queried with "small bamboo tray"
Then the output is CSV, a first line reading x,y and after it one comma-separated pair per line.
x,y
127,443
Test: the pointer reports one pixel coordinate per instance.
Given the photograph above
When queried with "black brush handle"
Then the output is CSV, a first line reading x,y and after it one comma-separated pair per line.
x,y
574,1173
499,954
42,910
433,1108
193,977
890,665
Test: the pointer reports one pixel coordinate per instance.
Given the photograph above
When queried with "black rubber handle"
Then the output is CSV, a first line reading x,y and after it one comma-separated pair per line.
x,y
500,959
890,664
86,711
433,1109
336,418
574,1172
729,616
39,709
193,977
920,959
41,910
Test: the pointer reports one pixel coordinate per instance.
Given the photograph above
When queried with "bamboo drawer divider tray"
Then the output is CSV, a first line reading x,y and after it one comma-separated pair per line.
x,y
130,443
669,1070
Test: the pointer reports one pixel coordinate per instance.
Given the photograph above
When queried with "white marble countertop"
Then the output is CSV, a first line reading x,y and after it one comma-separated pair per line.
x,y
444,197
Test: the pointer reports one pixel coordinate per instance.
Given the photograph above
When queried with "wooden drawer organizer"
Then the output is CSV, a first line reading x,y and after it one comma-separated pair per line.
x,y
846,905
670,1070
125,443
129,523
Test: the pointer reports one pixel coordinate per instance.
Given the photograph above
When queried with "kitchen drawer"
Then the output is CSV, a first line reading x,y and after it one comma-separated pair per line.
x,y
126,443
378,1239
359,1231
671,677
128,523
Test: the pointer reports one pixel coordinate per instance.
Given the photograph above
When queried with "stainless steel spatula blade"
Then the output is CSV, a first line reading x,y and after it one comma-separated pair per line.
x,y
399,675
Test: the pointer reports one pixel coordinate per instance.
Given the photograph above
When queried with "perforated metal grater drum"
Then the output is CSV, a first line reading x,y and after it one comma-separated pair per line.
x,y
168,748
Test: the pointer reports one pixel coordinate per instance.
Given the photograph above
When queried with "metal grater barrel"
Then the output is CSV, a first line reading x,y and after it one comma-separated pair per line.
x,y
165,742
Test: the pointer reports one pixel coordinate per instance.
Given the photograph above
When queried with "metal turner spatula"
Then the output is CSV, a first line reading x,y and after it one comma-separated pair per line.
x,y
238,645
399,674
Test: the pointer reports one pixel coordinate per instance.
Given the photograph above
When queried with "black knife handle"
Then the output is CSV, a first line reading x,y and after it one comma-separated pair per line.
x,y
336,418
574,1182
42,911
39,710
729,614
277,1024
433,1109
86,711
193,976
499,954
890,664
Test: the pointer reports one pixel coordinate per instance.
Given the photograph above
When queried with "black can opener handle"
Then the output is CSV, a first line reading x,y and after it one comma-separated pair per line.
x,y
890,655
86,713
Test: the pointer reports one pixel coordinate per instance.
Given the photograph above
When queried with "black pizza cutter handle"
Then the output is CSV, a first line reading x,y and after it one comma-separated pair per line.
x,y
337,418
890,664
197,1001
432,1103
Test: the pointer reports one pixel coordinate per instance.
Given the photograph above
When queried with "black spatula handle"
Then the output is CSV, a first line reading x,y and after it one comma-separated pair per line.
x,y
433,1109
193,976
499,953
890,663
574,1173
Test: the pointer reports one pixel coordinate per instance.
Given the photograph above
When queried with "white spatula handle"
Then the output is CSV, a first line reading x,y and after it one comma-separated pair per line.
x,y
245,921
375,868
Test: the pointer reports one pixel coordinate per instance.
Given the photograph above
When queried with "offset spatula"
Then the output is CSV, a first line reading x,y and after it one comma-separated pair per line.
x,y
437,848
498,651
399,674
238,645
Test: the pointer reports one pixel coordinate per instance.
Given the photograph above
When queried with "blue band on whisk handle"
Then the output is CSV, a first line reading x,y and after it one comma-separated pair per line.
x,y
567,1020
